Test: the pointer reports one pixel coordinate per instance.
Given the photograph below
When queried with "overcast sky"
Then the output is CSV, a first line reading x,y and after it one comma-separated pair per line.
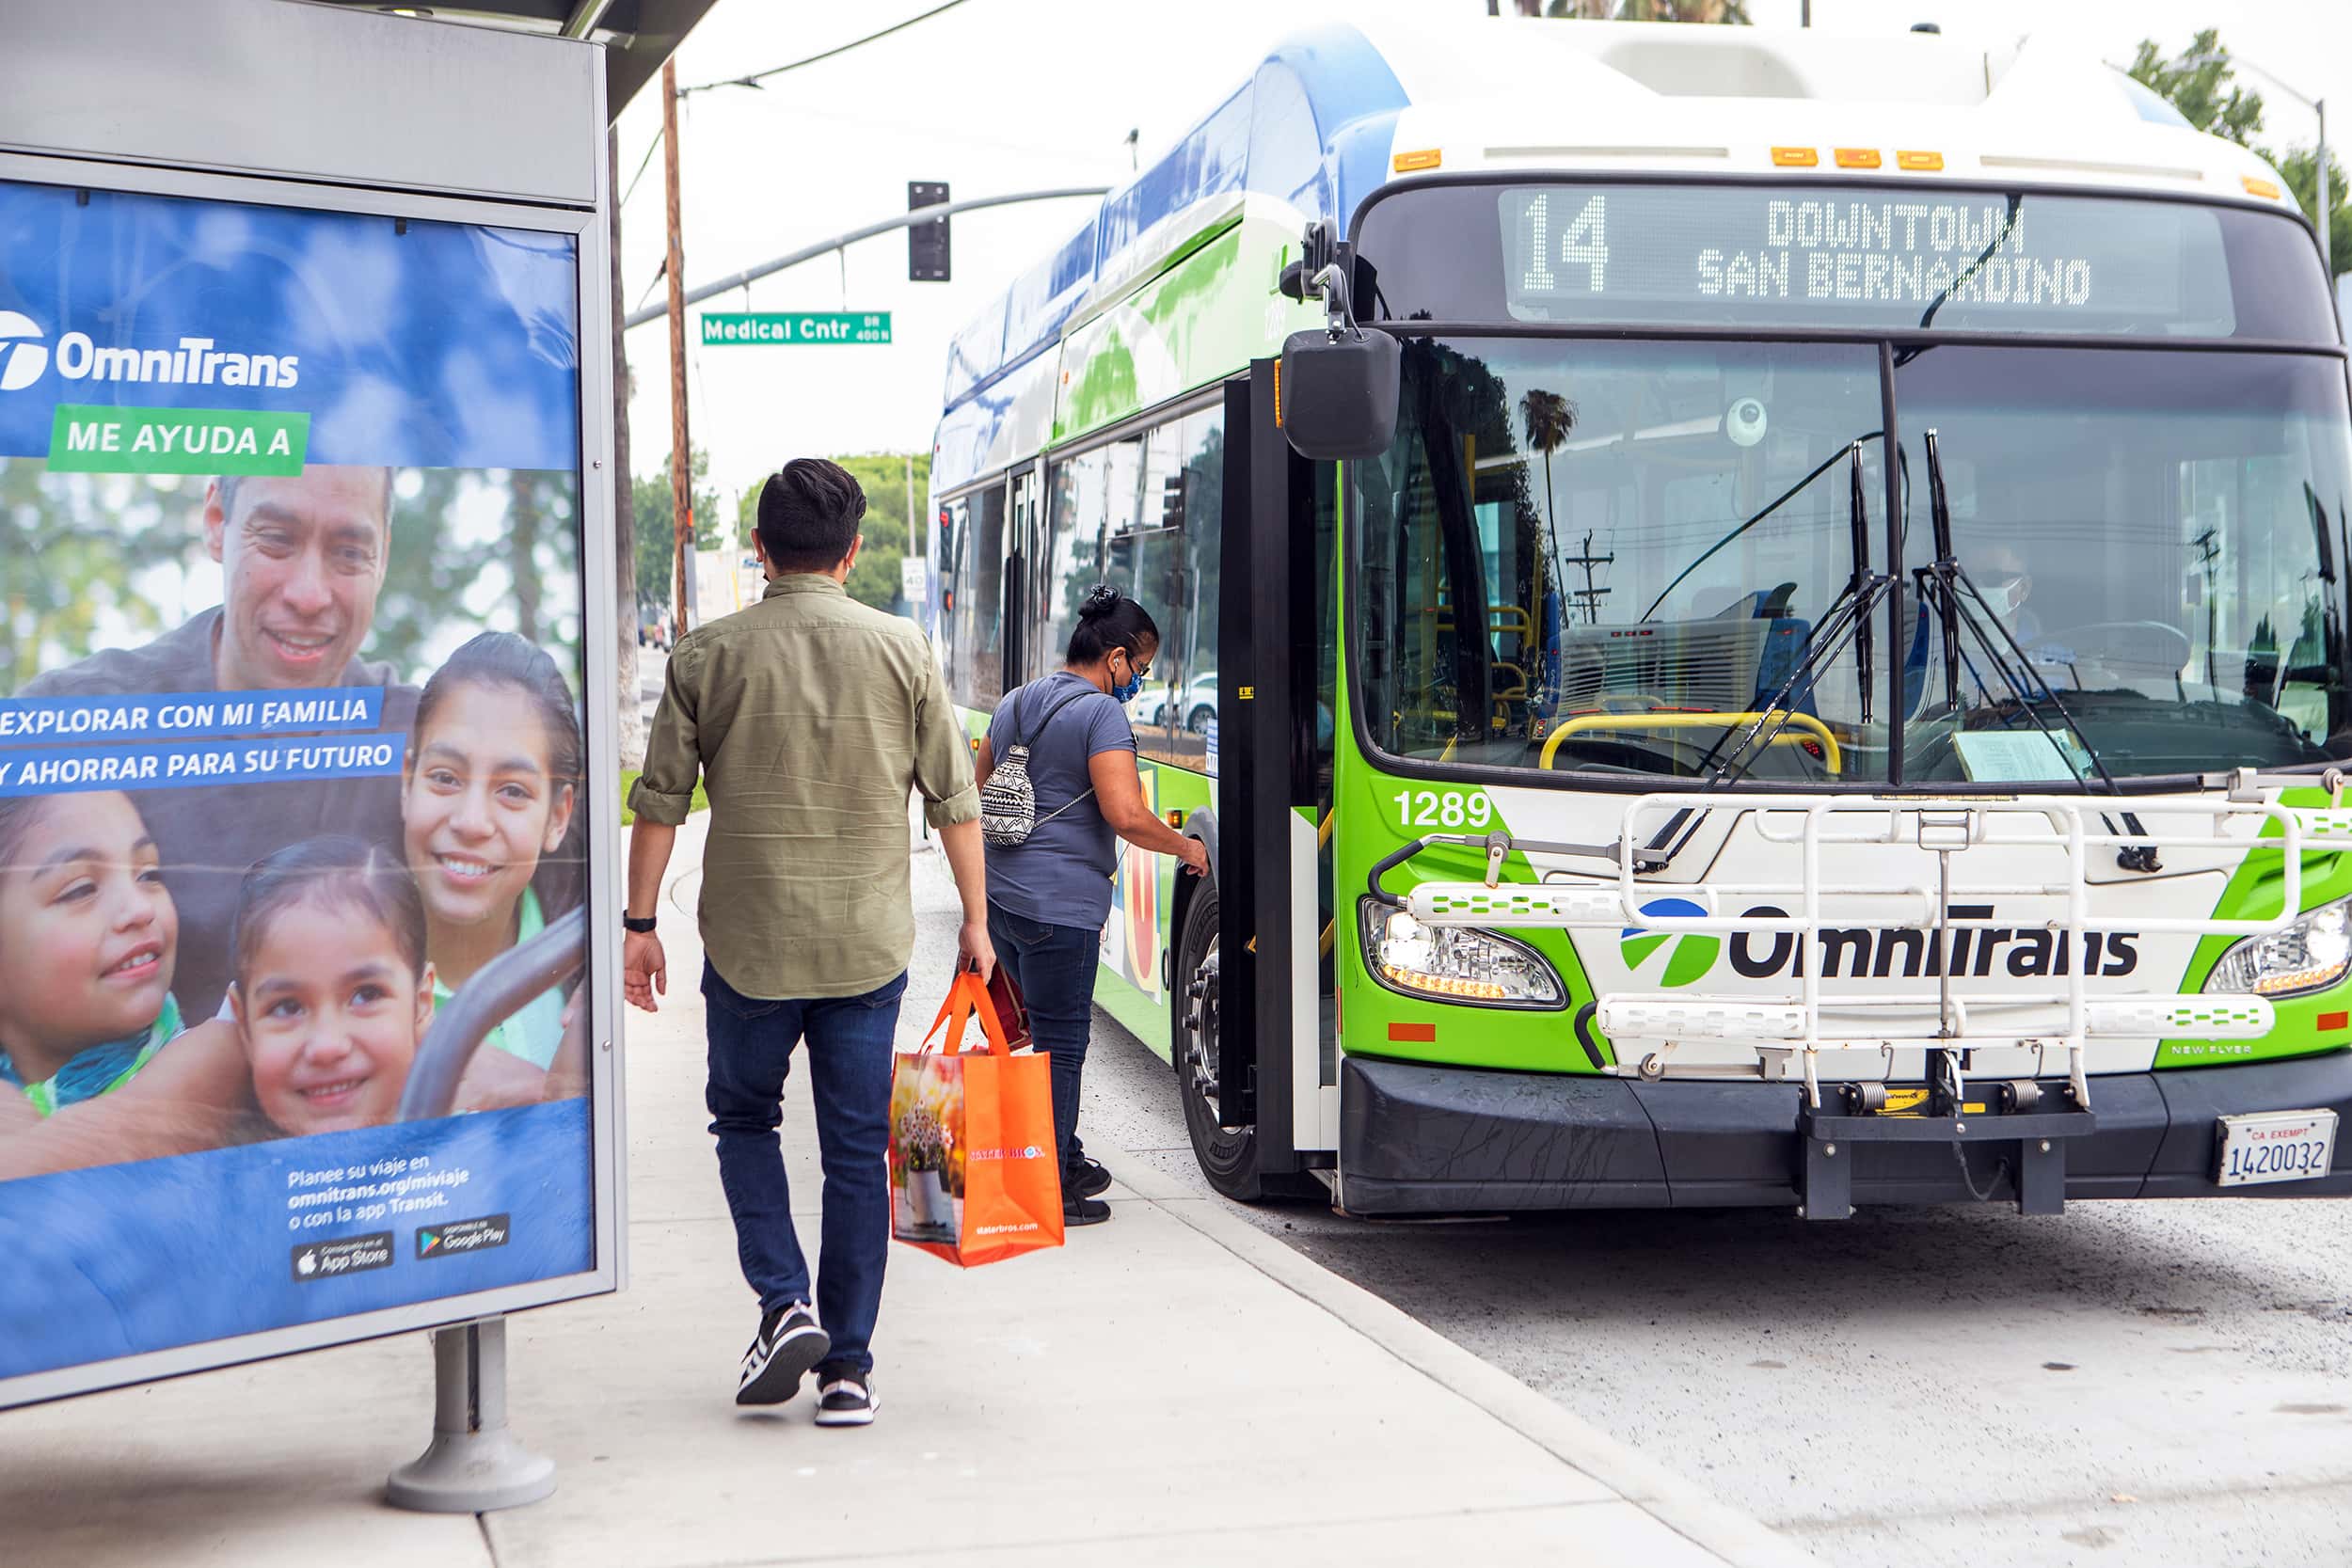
x,y
1005,95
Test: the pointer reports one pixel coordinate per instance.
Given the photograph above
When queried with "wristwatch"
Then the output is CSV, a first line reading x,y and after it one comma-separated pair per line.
x,y
633,923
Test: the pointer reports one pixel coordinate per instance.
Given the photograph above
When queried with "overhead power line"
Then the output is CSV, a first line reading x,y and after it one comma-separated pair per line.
x,y
758,77
840,241
643,164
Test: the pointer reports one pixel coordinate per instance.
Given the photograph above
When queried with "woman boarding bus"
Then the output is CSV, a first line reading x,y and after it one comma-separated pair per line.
x,y
1049,894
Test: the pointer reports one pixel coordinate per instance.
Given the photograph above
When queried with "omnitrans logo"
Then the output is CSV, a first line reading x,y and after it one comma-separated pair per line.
x,y
21,360
189,362
2023,951
1690,953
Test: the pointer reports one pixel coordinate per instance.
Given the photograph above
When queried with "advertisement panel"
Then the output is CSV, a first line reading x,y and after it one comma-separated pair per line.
x,y
295,971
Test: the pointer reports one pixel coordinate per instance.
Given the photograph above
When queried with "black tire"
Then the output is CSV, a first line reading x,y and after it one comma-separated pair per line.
x,y
1227,1156
1198,720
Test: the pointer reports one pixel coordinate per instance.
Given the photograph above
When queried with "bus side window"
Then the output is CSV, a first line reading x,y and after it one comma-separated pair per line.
x,y
955,593
1168,561
980,668
1073,564
1202,477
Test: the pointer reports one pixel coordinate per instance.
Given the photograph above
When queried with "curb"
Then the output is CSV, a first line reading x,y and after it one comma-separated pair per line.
x,y
1675,1500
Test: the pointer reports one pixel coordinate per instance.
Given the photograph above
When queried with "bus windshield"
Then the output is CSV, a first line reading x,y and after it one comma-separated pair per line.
x,y
1609,556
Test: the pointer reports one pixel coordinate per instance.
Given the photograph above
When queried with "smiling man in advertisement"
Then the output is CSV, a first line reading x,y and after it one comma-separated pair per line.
x,y
302,560
293,871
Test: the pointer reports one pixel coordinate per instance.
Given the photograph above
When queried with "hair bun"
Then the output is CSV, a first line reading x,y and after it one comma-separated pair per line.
x,y
1099,603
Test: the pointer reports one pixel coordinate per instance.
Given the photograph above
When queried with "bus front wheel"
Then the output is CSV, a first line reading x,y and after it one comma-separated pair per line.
x,y
1228,1156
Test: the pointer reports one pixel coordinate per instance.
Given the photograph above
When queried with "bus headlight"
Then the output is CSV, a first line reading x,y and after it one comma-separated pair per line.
x,y
2311,954
1450,963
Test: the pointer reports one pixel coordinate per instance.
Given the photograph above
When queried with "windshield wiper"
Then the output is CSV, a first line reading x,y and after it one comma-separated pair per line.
x,y
1946,580
1846,622
1773,505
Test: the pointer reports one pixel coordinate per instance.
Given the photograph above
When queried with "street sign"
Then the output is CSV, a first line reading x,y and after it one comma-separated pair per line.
x,y
795,327
914,579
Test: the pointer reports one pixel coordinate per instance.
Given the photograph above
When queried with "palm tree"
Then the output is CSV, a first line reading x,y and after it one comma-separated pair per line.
x,y
1548,418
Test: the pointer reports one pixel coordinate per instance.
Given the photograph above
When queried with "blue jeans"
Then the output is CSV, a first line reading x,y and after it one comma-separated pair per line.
x,y
848,1072
1054,966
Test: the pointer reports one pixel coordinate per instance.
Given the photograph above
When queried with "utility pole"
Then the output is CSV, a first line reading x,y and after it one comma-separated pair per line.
x,y
681,450
918,608
1588,596
2326,214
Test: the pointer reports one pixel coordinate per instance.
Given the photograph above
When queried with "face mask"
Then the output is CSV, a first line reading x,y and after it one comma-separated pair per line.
x,y
2002,597
1125,691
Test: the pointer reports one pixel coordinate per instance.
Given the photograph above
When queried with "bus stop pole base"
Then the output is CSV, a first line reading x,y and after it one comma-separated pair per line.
x,y
474,1464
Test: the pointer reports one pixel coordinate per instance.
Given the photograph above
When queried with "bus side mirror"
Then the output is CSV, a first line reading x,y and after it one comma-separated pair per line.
x,y
1337,395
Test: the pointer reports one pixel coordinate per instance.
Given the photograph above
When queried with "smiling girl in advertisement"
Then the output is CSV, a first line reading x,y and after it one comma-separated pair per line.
x,y
333,991
488,812
89,941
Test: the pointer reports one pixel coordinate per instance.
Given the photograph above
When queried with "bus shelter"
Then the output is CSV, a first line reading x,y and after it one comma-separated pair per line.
x,y
307,751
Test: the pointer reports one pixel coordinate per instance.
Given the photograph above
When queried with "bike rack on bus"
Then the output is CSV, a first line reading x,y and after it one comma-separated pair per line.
x,y
1790,1025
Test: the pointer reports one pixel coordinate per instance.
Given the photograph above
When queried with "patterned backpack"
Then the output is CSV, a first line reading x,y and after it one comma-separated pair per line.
x,y
1008,800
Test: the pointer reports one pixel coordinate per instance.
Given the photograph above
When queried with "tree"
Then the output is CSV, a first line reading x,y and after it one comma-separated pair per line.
x,y
657,526
2200,83
2299,169
883,475
72,549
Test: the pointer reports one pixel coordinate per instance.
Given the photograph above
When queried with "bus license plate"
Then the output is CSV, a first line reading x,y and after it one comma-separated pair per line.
x,y
2276,1146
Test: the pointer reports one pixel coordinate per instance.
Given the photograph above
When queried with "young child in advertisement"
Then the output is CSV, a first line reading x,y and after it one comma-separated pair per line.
x,y
333,992
89,939
487,810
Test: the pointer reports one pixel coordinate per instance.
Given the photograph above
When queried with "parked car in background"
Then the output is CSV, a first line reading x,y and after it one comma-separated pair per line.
x,y
1193,707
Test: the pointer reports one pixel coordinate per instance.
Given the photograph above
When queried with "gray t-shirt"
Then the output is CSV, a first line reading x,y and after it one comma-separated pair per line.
x,y
1062,875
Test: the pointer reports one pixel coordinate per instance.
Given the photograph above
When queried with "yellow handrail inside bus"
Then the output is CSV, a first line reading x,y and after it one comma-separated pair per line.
x,y
1781,718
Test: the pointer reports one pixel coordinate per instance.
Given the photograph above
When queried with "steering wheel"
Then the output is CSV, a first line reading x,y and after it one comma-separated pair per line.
x,y
2151,647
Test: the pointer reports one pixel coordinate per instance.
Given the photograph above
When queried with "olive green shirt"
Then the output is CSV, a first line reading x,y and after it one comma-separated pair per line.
x,y
812,717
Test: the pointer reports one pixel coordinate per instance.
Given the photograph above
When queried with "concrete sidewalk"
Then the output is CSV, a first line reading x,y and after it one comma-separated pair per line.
x,y
1168,1385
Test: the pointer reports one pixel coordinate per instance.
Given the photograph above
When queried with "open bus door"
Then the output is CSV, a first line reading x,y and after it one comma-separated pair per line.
x,y
1249,1030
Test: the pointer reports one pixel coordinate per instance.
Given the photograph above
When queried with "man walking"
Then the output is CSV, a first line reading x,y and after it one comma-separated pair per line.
x,y
811,716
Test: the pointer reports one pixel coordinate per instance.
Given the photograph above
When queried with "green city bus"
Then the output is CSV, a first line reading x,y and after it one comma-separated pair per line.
x,y
1626,782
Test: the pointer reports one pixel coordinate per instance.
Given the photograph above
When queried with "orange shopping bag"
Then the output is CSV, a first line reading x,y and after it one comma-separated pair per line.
x,y
974,1173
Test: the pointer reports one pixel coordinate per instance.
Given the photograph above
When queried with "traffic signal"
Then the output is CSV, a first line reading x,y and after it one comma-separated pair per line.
x,y
927,243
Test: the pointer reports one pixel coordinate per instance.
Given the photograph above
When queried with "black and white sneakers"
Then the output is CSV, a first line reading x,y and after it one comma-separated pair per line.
x,y
846,1399
786,1347
788,1343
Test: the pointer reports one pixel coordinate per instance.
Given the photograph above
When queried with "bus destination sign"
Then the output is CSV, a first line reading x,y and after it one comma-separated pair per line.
x,y
1814,253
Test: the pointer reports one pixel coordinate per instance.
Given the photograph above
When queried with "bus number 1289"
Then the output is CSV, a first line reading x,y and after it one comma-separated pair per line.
x,y
1443,808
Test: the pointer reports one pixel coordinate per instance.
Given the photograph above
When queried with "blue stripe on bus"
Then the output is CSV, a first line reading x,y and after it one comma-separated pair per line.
x,y
1311,126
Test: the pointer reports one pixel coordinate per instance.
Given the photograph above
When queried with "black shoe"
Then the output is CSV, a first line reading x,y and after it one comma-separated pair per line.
x,y
788,1343
846,1399
1084,1177
1083,1210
